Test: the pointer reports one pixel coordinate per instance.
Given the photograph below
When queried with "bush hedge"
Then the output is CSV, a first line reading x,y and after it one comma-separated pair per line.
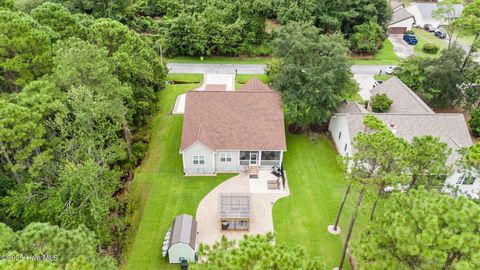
x,y
381,103
475,123
430,48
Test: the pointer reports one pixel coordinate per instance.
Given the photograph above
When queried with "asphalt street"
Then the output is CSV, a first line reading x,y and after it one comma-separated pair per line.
x,y
254,68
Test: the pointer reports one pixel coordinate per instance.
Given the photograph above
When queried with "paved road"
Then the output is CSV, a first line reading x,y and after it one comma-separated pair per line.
x,y
253,69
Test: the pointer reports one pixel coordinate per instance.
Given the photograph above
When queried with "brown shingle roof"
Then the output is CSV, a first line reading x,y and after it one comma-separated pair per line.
x,y
215,87
234,120
255,84
404,99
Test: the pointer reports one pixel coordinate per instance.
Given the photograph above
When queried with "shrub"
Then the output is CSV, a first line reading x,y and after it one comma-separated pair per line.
x,y
475,123
381,103
430,48
410,32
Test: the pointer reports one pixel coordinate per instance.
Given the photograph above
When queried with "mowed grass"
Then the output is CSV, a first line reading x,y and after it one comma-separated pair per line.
x,y
317,187
384,56
425,37
242,79
159,189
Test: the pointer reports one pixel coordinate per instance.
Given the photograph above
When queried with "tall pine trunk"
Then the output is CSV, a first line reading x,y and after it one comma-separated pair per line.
x,y
350,228
469,52
380,190
337,220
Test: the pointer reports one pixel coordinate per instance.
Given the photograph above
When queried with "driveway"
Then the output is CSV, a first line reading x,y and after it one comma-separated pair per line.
x,y
400,47
228,80
365,83
262,201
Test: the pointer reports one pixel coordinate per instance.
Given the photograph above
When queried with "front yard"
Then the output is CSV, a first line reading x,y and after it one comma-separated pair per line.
x,y
424,37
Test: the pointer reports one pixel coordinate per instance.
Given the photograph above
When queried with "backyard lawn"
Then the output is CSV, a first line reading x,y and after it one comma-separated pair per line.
x,y
424,37
159,189
317,187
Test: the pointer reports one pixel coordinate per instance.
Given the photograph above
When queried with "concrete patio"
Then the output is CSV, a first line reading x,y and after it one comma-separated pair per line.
x,y
262,200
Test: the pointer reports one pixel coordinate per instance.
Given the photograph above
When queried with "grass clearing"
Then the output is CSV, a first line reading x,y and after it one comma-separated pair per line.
x,y
317,187
382,77
159,189
219,60
242,79
424,37
384,56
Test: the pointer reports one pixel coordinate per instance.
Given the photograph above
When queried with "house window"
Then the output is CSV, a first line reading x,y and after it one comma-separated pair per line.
x,y
225,157
339,135
466,179
248,157
198,160
345,148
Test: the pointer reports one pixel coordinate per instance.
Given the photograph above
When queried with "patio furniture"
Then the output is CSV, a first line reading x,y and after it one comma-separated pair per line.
x,y
273,184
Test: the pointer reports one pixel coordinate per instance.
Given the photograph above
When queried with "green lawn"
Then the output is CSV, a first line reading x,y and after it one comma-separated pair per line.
x,y
219,60
424,37
385,56
317,187
382,77
159,189
241,79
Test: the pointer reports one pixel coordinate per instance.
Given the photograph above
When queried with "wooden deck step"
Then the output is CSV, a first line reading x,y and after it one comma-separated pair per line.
x,y
253,171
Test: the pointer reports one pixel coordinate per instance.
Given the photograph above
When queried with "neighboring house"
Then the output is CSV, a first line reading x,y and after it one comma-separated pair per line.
x,y
401,21
408,117
233,131
423,13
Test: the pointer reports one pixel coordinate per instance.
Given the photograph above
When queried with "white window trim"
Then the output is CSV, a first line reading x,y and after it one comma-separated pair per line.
x,y
200,159
225,157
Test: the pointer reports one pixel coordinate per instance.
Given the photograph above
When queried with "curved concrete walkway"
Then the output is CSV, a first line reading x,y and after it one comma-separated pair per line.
x,y
261,222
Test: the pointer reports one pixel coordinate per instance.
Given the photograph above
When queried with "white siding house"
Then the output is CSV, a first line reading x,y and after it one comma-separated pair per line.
x,y
423,13
408,117
233,131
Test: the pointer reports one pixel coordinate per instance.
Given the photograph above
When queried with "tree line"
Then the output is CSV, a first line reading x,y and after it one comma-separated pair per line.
x,y
74,93
236,27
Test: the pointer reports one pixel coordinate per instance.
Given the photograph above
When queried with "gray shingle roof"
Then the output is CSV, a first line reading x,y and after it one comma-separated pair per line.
x,y
183,230
351,107
400,15
426,10
449,127
404,99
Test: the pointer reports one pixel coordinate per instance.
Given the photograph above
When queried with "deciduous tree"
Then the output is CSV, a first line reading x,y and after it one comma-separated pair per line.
x,y
313,75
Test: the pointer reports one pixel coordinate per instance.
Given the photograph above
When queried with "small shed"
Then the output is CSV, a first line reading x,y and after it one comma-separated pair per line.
x,y
235,209
181,244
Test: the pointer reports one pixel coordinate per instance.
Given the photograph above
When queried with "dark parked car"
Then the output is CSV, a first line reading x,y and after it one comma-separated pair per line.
x,y
429,27
440,34
410,39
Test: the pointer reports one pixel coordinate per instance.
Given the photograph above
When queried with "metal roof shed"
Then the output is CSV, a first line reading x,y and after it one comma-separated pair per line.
x,y
235,210
181,244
